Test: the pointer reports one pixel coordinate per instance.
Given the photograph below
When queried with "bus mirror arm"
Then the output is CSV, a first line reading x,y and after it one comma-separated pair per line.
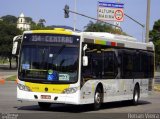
x,y
84,48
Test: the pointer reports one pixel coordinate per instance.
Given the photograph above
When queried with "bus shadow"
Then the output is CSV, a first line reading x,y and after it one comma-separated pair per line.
x,y
120,104
81,108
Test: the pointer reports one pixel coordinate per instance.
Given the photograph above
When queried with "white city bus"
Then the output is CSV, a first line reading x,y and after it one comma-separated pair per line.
x,y
62,66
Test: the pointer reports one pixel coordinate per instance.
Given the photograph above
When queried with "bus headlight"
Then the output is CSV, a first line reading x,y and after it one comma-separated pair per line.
x,y
70,90
23,87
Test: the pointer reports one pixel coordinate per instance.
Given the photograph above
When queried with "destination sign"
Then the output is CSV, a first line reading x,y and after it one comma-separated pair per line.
x,y
49,38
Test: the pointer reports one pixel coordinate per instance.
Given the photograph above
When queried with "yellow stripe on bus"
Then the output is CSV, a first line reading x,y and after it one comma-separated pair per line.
x,y
65,32
48,88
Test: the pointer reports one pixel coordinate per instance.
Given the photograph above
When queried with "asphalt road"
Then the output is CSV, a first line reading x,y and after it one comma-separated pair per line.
x,y
9,104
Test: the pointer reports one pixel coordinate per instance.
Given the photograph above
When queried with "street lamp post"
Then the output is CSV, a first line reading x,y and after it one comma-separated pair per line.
x,y
148,20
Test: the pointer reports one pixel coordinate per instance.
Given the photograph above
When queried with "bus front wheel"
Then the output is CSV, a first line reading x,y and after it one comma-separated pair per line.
x,y
44,105
97,99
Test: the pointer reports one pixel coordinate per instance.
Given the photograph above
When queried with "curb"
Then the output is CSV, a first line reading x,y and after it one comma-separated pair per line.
x,y
16,81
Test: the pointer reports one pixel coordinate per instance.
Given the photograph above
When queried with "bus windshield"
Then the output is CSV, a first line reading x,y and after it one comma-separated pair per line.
x,y
49,62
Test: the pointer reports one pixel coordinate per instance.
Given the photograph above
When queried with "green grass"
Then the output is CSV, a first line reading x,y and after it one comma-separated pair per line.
x,y
11,78
3,62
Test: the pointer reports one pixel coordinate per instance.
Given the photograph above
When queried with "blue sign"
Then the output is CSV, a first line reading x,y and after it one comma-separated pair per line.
x,y
52,77
110,5
25,66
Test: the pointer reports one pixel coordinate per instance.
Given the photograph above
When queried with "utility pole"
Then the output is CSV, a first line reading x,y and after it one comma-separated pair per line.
x,y
148,20
75,9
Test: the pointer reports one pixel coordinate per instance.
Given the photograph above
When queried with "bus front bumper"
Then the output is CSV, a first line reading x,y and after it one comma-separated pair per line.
x,y
48,97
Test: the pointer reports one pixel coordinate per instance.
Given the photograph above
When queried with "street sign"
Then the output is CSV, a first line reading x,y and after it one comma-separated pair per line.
x,y
119,15
110,11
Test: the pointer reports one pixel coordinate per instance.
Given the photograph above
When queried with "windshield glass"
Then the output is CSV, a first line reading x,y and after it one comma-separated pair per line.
x,y
49,62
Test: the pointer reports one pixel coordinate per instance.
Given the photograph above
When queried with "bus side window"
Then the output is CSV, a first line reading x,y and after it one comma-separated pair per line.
x,y
94,68
147,64
97,65
110,69
126,64
86,70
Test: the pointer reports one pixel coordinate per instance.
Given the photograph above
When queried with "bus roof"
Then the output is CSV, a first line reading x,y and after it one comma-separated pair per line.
x,y
116,40
101,38
54,31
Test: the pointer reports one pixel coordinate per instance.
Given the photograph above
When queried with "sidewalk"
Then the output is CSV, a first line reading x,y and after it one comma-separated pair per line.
x,y
5,72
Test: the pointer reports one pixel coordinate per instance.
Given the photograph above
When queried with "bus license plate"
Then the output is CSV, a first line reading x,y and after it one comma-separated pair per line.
x,y
45,97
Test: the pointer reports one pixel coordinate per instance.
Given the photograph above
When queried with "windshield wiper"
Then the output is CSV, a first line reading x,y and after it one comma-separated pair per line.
x,y
59,52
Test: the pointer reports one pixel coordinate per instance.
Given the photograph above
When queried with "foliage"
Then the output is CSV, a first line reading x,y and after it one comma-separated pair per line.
x,y
41,22
155,36
29,20
9,19
102,27
35,26
7,31
40,25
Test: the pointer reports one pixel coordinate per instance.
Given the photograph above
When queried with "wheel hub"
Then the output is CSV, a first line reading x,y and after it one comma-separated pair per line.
x,y
97,97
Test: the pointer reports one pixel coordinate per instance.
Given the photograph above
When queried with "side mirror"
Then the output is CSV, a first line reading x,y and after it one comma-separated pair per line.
x,y
16,44
14,49
85,61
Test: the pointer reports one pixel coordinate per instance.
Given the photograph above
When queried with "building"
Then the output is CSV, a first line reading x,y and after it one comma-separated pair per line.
x,y
22,23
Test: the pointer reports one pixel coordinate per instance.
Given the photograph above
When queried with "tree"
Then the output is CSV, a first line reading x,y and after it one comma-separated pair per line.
x,y
41,22
29,20
155,36
10,19
40,25
35,26
7,31
102,27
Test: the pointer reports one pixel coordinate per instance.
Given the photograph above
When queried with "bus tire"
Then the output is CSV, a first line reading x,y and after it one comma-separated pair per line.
x,y
136,95
44,105
97,99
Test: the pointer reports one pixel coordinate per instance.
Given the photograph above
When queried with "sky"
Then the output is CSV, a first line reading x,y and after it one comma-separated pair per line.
x,y
52,12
